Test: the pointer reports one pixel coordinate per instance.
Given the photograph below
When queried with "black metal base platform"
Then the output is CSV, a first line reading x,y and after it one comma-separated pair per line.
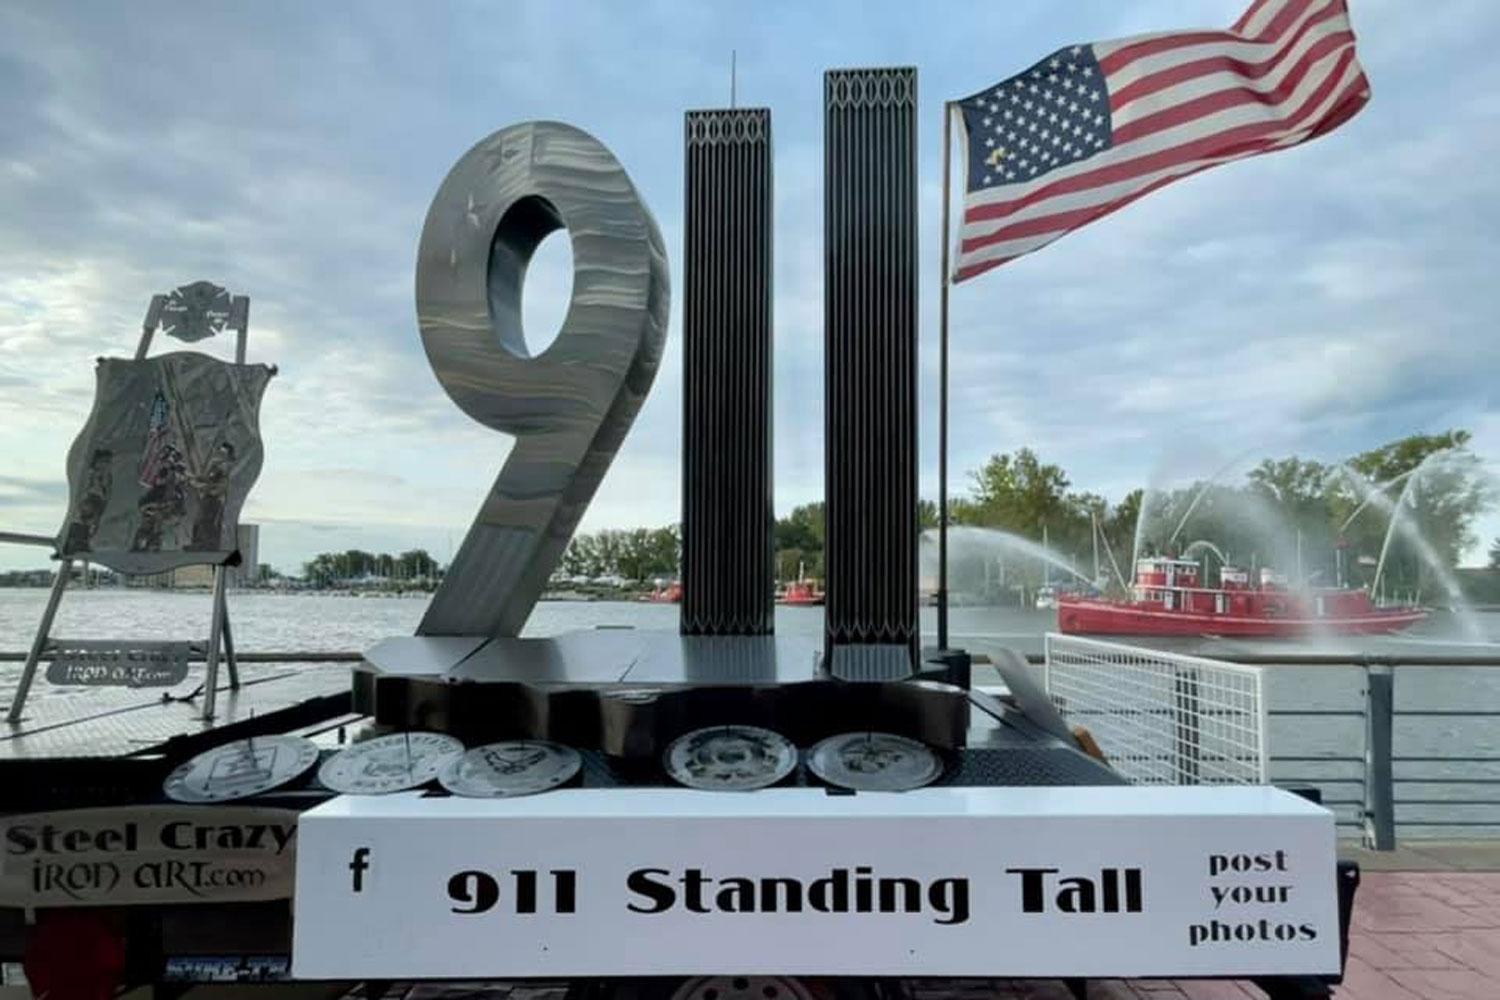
x,y
630,692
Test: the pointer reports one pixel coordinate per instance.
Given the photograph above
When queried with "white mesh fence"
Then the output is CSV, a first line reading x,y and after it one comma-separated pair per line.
x,y
1162,718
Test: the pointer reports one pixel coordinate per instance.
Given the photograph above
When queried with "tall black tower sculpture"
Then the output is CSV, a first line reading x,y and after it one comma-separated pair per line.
x,y
727,516
870,345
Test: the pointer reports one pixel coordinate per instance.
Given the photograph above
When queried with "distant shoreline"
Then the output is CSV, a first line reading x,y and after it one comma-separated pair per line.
x,y
553,597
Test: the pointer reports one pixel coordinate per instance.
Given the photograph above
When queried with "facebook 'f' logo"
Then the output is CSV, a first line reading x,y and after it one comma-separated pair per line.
x,y
358,866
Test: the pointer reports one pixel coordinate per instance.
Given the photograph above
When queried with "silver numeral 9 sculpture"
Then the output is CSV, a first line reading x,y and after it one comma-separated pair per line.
x,y
569,406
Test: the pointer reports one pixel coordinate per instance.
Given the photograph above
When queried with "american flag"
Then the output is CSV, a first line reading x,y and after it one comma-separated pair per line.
x,y
156,441
1091,128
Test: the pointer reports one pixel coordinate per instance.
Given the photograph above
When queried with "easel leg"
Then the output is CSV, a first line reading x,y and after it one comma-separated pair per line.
x,y
215,637
229,657
28,673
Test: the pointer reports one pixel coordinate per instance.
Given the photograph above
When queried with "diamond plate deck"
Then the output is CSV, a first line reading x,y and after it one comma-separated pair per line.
x,y
108,722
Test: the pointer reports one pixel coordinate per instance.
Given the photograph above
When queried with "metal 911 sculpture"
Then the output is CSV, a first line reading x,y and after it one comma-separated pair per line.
x,y
568,406
627,693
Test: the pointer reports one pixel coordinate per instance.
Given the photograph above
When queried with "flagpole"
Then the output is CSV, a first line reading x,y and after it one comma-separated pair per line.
x,y
942,587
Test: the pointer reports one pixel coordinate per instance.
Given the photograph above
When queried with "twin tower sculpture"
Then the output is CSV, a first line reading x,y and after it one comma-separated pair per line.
x,y
570,405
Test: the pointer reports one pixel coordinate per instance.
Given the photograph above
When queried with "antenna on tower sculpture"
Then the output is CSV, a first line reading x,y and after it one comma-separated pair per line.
x,y
732,59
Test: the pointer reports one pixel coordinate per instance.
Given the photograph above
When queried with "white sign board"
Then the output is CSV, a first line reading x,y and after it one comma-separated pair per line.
x,y
940,881
124,855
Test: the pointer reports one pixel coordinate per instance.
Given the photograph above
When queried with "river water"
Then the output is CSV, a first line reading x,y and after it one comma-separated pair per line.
x,y
321,622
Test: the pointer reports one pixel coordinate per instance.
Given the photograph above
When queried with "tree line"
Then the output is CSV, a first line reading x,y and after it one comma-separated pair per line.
x,y
1326,522
645,555
1323,521
633,555
413,568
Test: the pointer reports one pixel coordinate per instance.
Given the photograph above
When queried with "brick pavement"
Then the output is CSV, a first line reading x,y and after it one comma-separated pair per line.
x,y
1431,935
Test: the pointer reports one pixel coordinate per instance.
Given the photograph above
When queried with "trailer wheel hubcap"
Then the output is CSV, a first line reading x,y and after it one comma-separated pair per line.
x,y
742,988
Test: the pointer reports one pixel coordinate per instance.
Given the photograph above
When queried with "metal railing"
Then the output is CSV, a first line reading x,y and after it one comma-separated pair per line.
x,y
17,538
1387,789
1161,717
1377,789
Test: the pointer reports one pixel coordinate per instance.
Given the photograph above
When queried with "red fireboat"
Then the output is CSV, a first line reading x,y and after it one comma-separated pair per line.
x,y
667,593
1169,598
800,593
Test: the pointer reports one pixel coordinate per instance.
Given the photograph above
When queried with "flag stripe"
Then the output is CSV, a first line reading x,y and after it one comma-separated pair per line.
x,y
1353,97
1219,61
1252,50
998,253
1200,137
1009,251
1232,97
1346,105
1254,19
1077,211
1020,194
1095,202
1178,103
972,236
1199,86
1102,202
1114,56
1002,201
1070,211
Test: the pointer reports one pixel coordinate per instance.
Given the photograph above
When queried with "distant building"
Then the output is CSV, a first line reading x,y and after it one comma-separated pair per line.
x,y
27,578
246,574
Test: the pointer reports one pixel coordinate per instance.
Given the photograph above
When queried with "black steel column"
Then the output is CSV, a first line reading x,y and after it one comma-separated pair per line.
x,y
727,516
870,338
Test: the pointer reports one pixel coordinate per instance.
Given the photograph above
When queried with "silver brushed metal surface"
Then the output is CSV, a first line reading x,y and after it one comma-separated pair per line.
x,y
569,406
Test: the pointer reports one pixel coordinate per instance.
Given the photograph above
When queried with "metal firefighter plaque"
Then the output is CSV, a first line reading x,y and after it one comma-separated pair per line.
x,y
197,311
160,471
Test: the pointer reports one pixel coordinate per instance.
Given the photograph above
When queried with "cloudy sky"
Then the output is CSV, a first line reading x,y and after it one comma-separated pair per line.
x,y
1319,301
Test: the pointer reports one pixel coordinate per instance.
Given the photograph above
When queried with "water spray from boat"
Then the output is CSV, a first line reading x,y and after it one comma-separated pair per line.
x,y
998,548
1373,495
1175,583
1256,581
1204,545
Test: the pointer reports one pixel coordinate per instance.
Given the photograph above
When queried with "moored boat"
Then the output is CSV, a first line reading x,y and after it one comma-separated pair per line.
x,y
801,592
667,593
1169,597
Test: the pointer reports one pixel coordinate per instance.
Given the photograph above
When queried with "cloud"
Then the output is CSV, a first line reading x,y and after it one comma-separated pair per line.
x,y
1323,299
18,492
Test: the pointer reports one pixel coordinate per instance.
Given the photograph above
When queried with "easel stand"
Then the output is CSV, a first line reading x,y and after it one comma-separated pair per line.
x,y
190,313
218,631
39,644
